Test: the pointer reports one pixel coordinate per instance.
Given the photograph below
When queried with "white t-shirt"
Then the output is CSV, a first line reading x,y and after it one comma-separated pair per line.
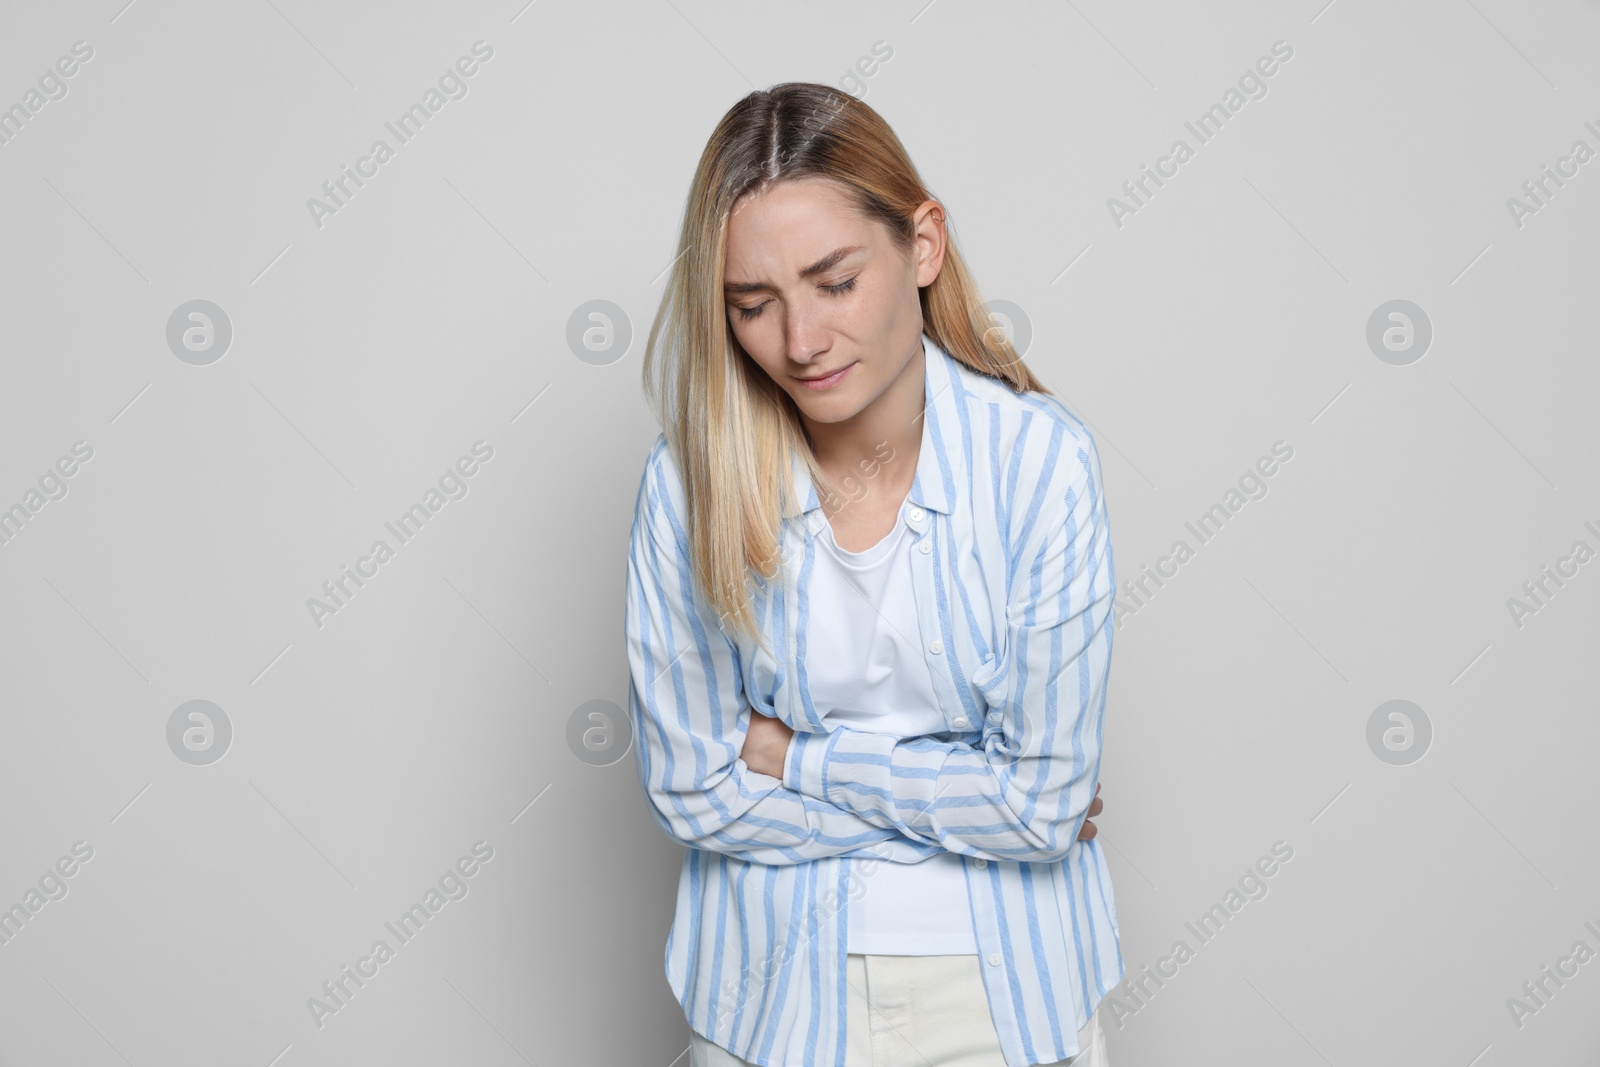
x,y
865,670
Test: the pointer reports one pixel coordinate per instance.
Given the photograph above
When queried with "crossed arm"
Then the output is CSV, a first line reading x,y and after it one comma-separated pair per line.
x,y
766,751
720,776
1026,790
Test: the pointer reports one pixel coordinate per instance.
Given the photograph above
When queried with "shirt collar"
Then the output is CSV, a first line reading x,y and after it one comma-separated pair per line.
x,y
939,469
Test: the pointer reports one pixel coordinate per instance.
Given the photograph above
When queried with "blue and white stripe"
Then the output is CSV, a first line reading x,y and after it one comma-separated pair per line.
x,y
1014,585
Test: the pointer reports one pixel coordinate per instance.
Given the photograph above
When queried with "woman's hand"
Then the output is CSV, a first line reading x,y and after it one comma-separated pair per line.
x,y
1095,807
766,745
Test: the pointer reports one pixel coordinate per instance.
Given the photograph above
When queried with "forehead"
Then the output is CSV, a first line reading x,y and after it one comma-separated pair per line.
x,y
795,214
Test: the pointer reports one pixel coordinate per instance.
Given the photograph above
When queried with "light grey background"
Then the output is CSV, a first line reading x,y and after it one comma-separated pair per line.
x,y
432,310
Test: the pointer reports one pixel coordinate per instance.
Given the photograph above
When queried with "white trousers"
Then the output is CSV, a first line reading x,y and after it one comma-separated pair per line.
x,y
918,1011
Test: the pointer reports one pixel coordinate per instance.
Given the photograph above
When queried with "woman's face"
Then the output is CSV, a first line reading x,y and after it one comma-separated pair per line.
x,y
813,289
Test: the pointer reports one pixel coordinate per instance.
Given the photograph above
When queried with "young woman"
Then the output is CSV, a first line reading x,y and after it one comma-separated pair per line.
x,y
869,626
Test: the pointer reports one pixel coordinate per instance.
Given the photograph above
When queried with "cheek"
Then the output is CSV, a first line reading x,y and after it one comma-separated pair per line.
x,y
756,350
749,339
883,308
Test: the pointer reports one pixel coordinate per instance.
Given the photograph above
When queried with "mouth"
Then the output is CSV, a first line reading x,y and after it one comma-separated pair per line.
x,y
826,381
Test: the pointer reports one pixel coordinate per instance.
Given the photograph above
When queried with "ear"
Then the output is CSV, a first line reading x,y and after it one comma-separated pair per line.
x,y
928,241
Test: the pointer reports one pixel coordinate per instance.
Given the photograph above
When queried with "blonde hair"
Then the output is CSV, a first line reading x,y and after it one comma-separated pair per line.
x,y
732,430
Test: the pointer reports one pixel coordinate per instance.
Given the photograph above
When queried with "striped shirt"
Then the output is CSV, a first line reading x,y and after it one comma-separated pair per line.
x,y
1014,588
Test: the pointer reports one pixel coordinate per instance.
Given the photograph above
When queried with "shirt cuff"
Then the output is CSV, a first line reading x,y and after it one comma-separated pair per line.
x,y
803,764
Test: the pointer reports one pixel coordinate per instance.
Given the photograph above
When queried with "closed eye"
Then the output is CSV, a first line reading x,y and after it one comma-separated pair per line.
x,y
832,290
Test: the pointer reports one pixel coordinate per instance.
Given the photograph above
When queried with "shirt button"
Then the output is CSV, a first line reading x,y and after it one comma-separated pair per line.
x,y
980,864
936,648
994,959
917,514
962,721
927,546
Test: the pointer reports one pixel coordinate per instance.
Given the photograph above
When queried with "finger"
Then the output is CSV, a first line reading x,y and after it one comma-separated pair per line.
x,y
1088,831
1096,806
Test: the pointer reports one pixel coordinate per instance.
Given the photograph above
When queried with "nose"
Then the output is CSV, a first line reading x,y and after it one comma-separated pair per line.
x,y
802,336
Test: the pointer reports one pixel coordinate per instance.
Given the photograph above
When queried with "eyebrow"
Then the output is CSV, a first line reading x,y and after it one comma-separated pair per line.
x,y
827,262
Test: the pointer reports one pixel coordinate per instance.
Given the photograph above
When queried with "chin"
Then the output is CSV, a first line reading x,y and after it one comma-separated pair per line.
x,y
827,411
